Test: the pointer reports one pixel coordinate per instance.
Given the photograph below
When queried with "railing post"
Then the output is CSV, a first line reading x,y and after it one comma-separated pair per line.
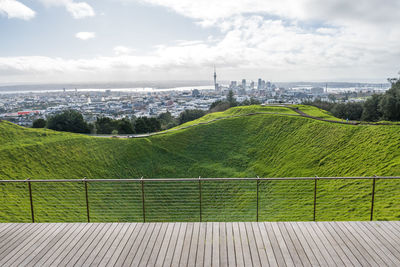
x,y
315,196
200,200
373,198
143,207
258,185
31,200
87,200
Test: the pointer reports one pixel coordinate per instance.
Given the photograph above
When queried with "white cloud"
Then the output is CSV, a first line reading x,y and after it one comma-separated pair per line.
x,y
78,10
15,9
85,35
122,50
277,40
338,11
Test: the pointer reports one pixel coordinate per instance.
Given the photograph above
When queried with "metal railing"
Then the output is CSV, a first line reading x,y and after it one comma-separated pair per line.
x,y
199,199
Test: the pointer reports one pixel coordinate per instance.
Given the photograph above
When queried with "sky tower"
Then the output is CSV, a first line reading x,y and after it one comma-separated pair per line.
x,y
215,79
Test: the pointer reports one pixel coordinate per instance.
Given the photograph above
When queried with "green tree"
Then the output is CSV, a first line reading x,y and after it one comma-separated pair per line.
x,y
351,111
39,123
68,121
124,126
190,114
105,125
147,125
371,110
166,120
231,99
389,105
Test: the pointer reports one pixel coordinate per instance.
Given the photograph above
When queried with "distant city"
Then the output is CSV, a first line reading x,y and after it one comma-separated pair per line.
x,y
22,104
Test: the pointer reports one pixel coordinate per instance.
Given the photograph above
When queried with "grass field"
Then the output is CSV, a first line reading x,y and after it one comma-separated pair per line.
x,y
316,112
265,145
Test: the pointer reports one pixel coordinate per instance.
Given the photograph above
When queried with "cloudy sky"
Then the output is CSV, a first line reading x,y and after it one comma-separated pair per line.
x,y
131,40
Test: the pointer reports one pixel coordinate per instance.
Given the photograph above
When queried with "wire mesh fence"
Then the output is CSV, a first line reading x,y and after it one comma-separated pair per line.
x,y
200,199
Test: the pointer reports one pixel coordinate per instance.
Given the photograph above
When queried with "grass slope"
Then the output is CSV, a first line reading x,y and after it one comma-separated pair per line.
x,y
265,145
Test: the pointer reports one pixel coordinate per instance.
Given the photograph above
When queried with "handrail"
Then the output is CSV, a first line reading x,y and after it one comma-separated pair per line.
x,y
196,179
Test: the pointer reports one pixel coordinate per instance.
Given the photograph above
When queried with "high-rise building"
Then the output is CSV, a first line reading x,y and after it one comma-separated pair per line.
x,y
259,83
215,79
244,83
252,85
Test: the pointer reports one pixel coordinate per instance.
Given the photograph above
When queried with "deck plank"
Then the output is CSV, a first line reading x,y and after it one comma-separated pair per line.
x,y
339,249
179,245
114,245
380,243
348,241
172,245
252,243
49,246
301,229
157,246
78,261
93,255
289,244
329,247
292,238
24,256
150,245
69,244
164,246
279,246
238,244
24,243
137,244
82,244
186,245
151,234
248,261
260,247
370,243
230,245
208,244
223,248
201,244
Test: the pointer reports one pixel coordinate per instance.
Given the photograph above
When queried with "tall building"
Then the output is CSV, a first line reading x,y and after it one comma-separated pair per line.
x,y
244,83
259,84
252,85
215,79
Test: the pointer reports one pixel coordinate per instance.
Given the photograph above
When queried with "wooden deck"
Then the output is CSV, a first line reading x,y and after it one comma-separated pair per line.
x,y
201,244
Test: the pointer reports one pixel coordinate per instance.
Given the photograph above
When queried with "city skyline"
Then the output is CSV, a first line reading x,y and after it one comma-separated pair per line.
x,y
56,41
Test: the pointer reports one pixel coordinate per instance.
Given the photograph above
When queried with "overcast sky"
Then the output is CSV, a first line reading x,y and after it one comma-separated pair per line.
x,y
130,40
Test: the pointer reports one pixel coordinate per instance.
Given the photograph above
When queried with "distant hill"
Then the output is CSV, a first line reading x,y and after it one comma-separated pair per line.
x,y
277,143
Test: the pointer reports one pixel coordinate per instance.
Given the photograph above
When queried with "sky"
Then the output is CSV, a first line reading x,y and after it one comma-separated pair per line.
x,y
47,41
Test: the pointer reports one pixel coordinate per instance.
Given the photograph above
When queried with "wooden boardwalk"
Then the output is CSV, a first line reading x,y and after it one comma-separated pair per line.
x,y
201,244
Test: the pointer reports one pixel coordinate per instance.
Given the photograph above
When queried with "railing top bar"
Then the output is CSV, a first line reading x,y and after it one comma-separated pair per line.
x,y
194,179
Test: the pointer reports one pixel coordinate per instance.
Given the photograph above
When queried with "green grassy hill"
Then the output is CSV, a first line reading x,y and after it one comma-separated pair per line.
x,y
271,144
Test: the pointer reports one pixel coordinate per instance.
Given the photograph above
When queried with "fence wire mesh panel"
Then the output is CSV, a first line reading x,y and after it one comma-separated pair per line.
x,y
115,202
205,199
387,200
59,202
291,200
14,202
346,200
172,201
229,200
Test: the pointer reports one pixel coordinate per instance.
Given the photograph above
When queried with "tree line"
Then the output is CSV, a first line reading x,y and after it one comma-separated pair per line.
x,y
73,120
377,107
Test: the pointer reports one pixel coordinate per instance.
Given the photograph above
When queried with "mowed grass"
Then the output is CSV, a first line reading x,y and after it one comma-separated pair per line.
x,y
265,145
316,112
239,111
